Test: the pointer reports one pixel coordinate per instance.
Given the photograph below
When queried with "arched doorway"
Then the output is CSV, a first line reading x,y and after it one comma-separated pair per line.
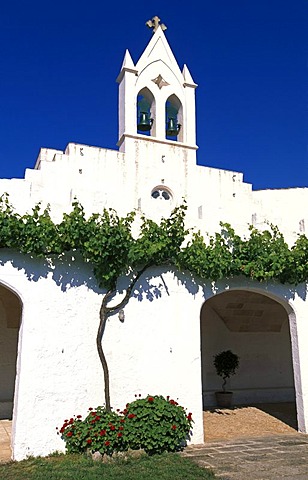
x,y
255,326
10,317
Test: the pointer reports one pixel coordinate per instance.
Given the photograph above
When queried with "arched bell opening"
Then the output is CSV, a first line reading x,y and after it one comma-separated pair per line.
x,y
256,327
10,319
145,112
174,118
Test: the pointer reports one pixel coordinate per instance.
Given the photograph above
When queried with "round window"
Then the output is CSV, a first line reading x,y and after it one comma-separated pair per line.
x,y
161,194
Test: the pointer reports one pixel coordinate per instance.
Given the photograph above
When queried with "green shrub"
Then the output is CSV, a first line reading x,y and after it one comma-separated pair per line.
x,y
101,431
156,424
226,363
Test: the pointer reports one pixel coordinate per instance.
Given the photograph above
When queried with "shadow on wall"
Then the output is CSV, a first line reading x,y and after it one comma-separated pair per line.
x,y
67,271
70,271
150,291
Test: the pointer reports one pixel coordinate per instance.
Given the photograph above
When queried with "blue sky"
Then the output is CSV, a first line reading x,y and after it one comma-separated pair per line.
x,y
60,60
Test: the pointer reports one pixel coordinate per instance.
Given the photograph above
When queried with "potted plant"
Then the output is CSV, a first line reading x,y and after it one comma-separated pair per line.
x,y
226,363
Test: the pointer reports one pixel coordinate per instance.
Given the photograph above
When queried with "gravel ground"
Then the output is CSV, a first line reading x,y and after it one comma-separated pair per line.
x,y
249,421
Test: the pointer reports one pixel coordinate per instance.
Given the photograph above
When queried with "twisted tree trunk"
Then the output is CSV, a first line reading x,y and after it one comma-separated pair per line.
x,y
104,314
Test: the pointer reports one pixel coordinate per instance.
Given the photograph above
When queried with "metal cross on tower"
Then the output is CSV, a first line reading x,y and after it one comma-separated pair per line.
x,y
154,23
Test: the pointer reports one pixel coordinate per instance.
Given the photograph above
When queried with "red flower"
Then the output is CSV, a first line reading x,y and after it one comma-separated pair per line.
x,y
78,416
69,434
107,443
90,408
131,415
102,432
150,399
121,428
112,427
122,420
189,416
120,434
89,441
173,427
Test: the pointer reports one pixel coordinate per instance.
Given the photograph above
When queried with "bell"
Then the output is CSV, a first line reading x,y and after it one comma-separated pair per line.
x,y
145,122
173,128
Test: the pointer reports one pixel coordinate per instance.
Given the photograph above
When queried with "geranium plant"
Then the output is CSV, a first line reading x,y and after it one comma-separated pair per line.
x,y
101,431
156,424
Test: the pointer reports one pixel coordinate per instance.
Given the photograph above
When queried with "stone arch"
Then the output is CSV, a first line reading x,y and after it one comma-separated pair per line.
x,y
10,321
261,328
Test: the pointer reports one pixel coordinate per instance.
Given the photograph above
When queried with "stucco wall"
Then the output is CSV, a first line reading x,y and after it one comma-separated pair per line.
x,y
101,178
156,350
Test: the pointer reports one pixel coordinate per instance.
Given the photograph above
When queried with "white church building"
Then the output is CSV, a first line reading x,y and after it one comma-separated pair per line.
x,y
49,365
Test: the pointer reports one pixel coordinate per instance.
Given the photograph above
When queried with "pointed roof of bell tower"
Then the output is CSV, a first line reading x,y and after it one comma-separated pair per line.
x,y
188,81
127,66
158,48
157,84
128,63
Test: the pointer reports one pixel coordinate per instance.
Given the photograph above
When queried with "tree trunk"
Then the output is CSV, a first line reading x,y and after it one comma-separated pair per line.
x,y
104,314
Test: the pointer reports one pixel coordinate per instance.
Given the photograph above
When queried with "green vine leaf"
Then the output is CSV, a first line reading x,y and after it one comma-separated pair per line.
x,y
106,241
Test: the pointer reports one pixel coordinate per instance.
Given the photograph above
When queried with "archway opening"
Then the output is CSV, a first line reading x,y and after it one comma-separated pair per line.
x,y
10,318
256,328
174,119
146,112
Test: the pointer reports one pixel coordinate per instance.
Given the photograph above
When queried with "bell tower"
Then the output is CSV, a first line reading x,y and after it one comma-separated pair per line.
x,y
156,98
157,127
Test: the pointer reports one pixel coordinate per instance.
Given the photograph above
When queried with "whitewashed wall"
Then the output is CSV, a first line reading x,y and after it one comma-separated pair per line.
x,y
156,350
101,178
52,385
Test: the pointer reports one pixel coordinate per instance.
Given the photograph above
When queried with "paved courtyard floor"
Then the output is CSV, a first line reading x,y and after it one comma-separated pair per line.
x,y
255,442
283,457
